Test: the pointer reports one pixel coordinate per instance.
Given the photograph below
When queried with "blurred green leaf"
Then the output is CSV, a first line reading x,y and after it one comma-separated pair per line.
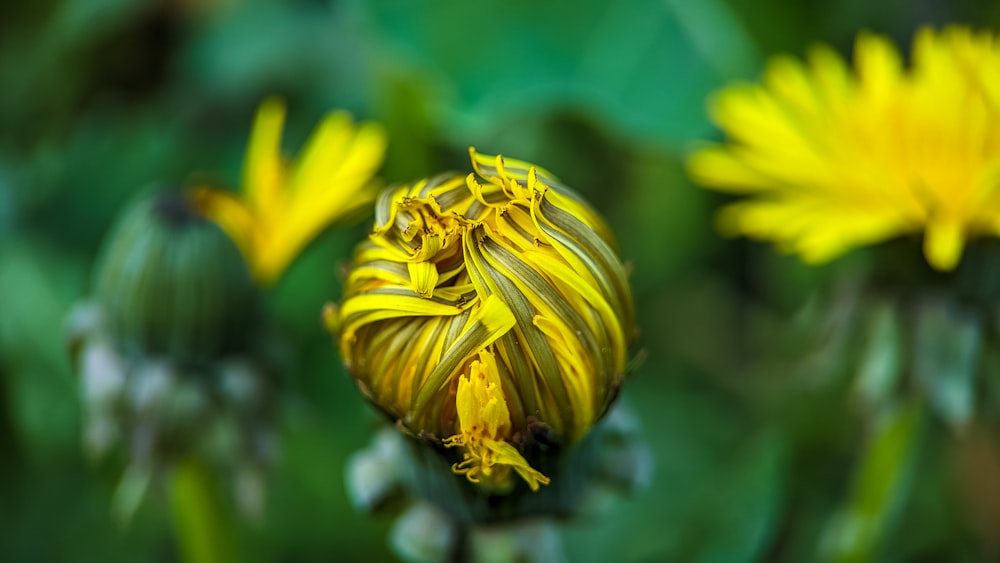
x,y
636,64
37,286
716,493
255,48
740,517
668,220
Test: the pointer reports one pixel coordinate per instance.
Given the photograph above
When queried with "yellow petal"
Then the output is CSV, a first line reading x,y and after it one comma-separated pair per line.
x,y
331,181
484,421
479,401
725,171
229,213
279,212
423,278
943,244
507,455
879,67
491,320
263,167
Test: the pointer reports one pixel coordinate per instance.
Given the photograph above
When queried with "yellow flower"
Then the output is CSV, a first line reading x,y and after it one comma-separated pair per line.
x,y
483,421
284,205
477,312
837,159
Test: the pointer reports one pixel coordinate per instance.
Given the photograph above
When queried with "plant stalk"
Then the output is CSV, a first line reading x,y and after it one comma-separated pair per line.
x,y
201,519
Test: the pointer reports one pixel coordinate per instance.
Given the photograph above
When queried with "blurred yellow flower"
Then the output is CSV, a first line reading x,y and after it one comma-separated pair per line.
x,y
837,159
481,310
284,205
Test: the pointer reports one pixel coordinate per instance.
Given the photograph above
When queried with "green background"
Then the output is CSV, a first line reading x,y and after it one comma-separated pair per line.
x,y
101,98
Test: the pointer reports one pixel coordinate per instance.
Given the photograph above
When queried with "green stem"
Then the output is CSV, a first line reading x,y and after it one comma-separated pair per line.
x,y
460,548
880,485
201,520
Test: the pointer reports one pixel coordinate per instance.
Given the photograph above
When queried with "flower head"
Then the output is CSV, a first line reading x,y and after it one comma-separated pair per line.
x,y
171,283
483,306
284,205
837,159
168,351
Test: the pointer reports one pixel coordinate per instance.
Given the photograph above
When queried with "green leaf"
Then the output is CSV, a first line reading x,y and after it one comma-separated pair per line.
x,y
37,286
741,509
644,66
716,493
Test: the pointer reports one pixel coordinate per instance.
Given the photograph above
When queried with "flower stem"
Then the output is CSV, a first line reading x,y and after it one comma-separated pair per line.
x,y
201,520
460,548
880,485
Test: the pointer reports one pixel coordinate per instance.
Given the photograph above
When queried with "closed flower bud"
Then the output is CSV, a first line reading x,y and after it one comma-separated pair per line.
x,y
172,283
165,351
487,312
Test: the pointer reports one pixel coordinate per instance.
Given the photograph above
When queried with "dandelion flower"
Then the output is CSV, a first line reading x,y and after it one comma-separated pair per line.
x,y
284,205
833,158
484,307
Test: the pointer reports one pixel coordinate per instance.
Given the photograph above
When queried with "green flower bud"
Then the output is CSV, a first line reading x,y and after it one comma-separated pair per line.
x,y
168,353
171,283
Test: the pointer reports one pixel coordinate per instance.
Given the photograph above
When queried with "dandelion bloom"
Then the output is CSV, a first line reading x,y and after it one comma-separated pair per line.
x,y
284,205
835,159
485,307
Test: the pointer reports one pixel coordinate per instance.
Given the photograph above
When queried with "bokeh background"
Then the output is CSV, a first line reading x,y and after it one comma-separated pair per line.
x,y
748,412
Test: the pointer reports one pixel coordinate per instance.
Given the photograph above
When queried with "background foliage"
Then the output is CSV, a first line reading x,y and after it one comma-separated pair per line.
x,y
753,428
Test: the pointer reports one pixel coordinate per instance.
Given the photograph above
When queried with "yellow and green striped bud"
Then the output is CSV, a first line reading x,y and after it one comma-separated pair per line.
x,y
484,308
